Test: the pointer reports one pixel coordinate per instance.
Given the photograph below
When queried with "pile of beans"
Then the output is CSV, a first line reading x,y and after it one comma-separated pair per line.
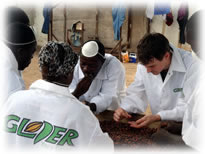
x,y
124,135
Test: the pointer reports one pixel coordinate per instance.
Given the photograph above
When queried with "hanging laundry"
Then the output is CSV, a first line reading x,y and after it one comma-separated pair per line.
x,y
182,19
118,15
169,19
46,14
150,10
157,9
162,8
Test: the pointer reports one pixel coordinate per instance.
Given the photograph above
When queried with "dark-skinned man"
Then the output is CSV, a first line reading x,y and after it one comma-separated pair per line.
x,y
18,45
99,78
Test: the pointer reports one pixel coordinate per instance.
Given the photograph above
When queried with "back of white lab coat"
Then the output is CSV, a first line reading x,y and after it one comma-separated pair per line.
x,y
52,104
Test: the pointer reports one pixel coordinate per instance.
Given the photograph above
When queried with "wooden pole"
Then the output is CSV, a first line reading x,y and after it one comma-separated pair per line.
x,y
65,19
163,27
129,27
120,45
51,36
96,28
148,25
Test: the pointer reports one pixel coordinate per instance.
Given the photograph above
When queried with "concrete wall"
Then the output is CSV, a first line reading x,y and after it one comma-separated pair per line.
x,y
35,14
139,26
105,24
105,28
88,17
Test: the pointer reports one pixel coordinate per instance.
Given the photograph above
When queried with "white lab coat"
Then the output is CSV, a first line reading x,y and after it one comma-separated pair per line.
x,y
10,78
107,88
193,122
45,101
164,97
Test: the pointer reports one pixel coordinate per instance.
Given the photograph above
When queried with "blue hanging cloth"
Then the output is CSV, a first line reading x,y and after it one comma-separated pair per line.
x,y
46,14
118,15
161,8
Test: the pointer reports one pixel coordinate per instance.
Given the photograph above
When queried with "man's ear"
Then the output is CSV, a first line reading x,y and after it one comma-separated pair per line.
x,y
167,55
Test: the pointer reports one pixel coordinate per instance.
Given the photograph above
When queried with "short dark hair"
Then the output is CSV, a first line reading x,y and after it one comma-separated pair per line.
x,y
152,45
18,35
21,40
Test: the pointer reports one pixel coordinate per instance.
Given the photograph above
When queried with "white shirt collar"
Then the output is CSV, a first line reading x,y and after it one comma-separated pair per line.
x,y
177,62
51,87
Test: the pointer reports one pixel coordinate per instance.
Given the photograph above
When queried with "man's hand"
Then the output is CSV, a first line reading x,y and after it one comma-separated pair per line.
x,y
120,113
144,121
82,86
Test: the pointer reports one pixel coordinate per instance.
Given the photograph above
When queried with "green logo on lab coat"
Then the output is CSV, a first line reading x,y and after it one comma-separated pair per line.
x,y
177,90
40,131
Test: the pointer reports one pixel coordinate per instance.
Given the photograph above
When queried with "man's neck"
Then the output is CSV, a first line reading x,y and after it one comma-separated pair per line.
x,y
168,62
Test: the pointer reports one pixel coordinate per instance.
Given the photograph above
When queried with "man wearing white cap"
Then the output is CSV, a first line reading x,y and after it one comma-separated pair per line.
x,y
99,78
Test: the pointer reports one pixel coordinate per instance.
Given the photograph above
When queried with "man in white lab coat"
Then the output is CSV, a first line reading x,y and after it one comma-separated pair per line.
x,y
47,115
15,44
18,47
165,78
193,122
99,78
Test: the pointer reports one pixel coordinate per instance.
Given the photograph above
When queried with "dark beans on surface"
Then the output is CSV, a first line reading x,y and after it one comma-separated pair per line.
x,y
124,135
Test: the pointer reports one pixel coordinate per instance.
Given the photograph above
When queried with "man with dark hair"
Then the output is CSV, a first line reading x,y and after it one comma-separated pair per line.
x,y
99,78
152,46
15,51
164,79
18,46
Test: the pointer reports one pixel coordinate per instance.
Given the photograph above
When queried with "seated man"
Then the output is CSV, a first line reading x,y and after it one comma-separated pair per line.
x,y
47,115
99,78
165,79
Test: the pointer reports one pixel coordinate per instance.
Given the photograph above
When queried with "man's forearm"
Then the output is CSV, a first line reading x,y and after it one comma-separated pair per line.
x,y
92,106
74,93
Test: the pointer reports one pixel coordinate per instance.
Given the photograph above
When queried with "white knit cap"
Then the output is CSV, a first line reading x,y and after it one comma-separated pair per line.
x,y
90,49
